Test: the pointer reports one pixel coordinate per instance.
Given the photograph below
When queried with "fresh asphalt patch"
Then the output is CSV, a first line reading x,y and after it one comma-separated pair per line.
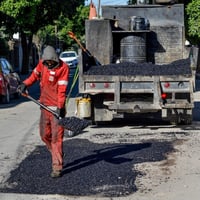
x,y
105,170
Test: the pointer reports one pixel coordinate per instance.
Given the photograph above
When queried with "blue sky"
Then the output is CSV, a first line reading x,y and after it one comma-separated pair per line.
x,y
107,2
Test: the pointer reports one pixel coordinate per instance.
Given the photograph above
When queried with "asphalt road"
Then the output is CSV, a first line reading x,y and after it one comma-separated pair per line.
x,y
116,161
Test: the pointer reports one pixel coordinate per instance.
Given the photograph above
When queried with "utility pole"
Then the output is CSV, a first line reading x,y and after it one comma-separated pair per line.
x,y
99,6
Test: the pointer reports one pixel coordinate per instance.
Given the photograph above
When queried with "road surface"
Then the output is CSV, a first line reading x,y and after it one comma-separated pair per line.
x,y
140,161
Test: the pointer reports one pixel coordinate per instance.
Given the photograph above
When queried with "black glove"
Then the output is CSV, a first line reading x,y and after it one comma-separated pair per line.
x,y
22,88
61,112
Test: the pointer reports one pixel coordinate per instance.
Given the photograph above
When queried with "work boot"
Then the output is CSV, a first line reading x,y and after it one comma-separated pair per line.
x,y
56,174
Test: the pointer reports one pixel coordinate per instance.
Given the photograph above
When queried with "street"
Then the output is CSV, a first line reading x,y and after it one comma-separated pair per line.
x,y
142,160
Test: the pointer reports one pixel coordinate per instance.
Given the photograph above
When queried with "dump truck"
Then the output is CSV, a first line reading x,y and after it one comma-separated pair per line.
x,y
143,68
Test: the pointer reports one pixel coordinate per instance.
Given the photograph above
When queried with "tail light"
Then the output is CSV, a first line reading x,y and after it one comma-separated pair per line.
x,y
106,85
164,96
167,85
99,85
92,85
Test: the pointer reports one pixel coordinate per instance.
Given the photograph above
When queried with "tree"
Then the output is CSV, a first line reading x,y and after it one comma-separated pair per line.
x,y
130,2
193,20
29,16
82,13
15,21
3,47
64,24
76,25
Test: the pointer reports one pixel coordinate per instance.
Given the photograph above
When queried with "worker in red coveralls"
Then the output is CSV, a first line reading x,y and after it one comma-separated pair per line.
x,y
53,75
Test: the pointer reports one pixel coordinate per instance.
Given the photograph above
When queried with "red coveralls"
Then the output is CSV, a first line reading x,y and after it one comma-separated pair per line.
x,y
53,85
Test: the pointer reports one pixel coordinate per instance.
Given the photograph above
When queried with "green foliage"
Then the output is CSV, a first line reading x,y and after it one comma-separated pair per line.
x,y
19,15
77,25
193,20
130,2
64,25
79,20
31,15
43,16
57,32
17,8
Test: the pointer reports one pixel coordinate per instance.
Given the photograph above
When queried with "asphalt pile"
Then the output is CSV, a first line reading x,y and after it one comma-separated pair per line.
x,y
104,170
179,67
74,124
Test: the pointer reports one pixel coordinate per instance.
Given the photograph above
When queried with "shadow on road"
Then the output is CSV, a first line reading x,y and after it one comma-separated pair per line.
x,y
108,154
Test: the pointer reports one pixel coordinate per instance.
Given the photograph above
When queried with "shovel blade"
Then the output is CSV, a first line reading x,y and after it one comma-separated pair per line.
x,y
74,124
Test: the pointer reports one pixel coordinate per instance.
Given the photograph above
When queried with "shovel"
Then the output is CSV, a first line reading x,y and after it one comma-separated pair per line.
x,y
74,124
73,36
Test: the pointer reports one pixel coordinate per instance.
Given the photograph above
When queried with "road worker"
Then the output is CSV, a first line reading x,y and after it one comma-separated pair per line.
x,y
53,75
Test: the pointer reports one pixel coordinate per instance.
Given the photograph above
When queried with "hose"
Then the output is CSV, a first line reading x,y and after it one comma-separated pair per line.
x,y
75,78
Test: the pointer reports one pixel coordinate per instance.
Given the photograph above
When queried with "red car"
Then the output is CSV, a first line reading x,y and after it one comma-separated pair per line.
x,y
9,81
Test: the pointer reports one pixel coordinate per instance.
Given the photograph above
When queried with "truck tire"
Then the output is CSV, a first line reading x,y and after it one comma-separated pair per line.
x,y
175,120
181,119
187,120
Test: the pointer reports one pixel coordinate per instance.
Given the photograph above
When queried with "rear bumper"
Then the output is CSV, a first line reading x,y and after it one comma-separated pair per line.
x,y
135,107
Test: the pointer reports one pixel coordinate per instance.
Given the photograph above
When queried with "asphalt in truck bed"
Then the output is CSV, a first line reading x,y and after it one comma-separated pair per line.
x,y
179,67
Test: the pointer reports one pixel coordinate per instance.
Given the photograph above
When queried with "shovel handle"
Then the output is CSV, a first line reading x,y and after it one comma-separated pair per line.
x,y
40,104
73,36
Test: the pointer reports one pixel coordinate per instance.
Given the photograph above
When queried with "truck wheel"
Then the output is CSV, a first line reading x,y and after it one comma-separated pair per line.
x,y
175,121
180,119
187,120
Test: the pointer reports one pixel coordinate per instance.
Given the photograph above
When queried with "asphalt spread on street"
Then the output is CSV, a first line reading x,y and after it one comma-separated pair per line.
x,y
105,170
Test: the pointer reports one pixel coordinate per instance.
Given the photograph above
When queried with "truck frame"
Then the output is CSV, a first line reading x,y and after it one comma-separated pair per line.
x,y
117,95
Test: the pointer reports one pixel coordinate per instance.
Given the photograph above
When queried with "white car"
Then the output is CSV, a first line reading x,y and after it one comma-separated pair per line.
x,y
70,57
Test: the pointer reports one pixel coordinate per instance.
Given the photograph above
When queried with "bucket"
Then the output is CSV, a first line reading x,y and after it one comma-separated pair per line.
x,y
143,1
139,23
133,48
83,107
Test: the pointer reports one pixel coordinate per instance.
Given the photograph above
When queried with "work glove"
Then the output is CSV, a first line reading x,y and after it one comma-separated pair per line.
x,y
22,88
61,112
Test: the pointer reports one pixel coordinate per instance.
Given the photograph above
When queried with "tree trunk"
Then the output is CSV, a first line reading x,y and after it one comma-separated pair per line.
x,y
26,48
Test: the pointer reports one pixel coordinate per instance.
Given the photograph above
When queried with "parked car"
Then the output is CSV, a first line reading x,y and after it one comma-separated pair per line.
x,y
9,81
70,57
